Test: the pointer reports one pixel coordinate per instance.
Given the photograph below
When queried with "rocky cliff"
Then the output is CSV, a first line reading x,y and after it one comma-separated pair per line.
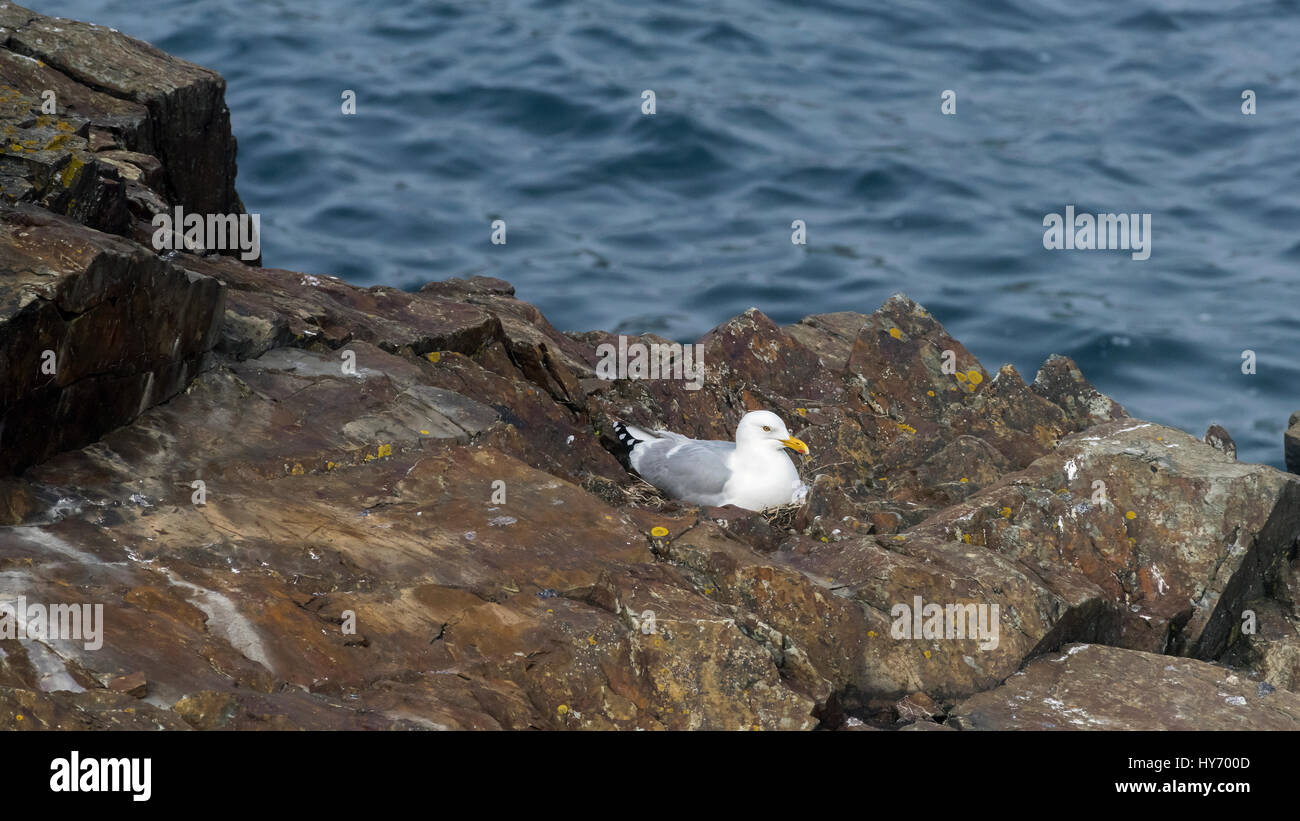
x,y
304,504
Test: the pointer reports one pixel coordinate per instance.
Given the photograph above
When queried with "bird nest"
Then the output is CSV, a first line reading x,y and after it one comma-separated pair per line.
x,y
783,517
643,494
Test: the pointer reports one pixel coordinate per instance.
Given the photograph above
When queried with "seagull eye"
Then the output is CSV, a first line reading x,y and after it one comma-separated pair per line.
x,y
767,427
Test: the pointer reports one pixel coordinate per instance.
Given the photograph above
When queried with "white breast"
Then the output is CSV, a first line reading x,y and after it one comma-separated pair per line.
x,y
762,480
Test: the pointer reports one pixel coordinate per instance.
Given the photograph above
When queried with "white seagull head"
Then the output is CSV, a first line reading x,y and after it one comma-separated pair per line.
x,y
765,429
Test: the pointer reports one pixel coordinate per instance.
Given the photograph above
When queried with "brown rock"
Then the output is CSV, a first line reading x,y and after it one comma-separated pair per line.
x,y
189,123
1061,381
1219,439
31,709
1177,534
1268,647
94,330
134,684
1091,687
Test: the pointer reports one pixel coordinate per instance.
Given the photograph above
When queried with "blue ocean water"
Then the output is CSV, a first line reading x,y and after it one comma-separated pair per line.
x,y
770,111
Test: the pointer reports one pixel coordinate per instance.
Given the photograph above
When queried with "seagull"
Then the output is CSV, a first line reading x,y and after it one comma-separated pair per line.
x,y
754,472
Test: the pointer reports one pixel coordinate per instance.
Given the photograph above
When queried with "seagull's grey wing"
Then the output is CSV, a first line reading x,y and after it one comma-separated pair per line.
x,y
692,470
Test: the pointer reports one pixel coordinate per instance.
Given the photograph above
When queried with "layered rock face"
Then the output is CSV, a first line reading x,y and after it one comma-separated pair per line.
x,y
303,504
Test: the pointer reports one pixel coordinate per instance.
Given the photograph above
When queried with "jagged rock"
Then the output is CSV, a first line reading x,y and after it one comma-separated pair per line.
x,y
188,122
309,309
1268,647
93,330
829,336
1219,439
1106,688
1061,382
1177,534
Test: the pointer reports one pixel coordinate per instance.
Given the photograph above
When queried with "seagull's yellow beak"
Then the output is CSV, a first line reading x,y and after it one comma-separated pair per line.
x,y
795,444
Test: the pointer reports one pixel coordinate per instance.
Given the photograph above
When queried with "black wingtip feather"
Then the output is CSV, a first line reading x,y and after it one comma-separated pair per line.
x,y
625,437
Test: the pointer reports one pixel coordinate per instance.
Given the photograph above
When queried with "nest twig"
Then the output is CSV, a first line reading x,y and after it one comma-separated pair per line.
x,y
782,517
643,494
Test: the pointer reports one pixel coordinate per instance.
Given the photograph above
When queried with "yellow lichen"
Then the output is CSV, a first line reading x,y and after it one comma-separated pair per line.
x,y
895,333
433,357
975,377
70,171
658,532
385,450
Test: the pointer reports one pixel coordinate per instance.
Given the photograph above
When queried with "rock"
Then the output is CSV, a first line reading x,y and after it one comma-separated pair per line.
x,y
1061,381
1271,653
209,710
1178,535
1091,687
1291,442
1219,439
134,684
94,329
30,709
188,122
305,309
829,336
926,726
917,707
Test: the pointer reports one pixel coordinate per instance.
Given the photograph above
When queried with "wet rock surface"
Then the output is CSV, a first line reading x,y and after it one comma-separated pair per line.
x,y
304,504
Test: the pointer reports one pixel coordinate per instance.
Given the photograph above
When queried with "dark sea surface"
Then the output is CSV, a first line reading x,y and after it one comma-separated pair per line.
x,y
769,112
